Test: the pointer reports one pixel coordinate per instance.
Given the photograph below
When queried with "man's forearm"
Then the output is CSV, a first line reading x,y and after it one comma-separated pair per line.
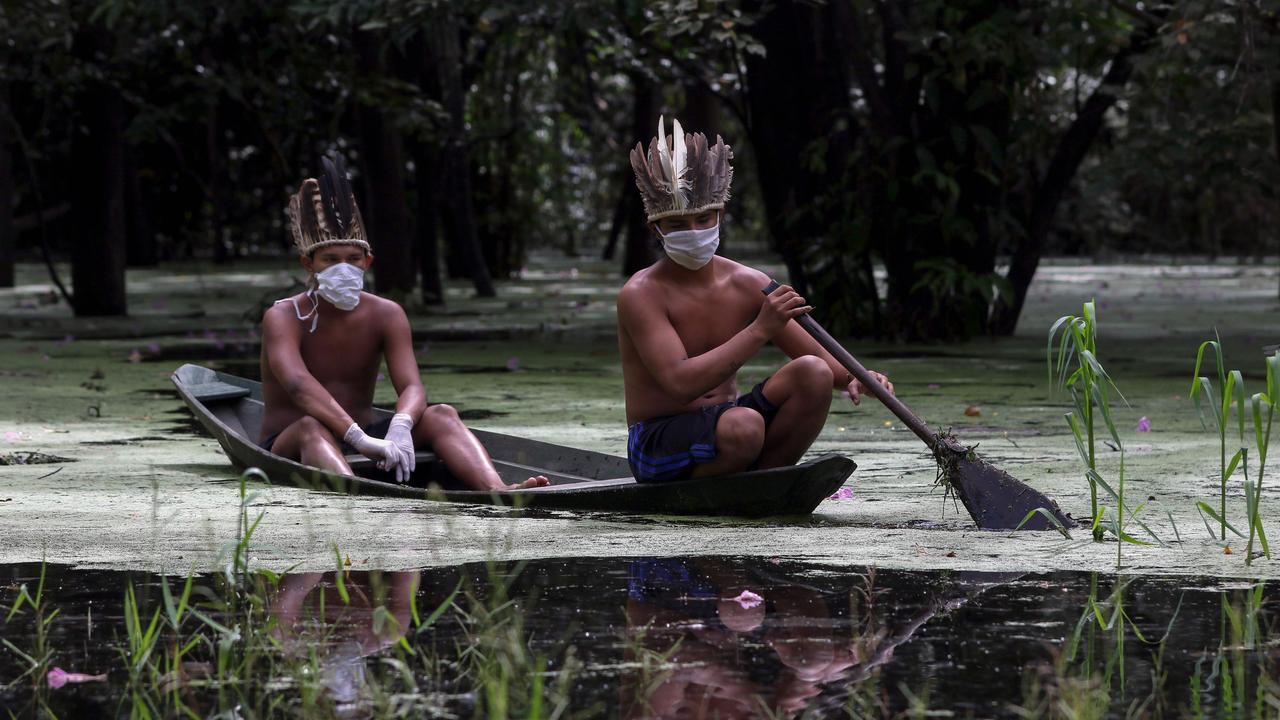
x,y
696,376
412,401
312,399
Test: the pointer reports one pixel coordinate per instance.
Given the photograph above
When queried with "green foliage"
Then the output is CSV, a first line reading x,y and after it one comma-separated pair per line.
x,y
1078,369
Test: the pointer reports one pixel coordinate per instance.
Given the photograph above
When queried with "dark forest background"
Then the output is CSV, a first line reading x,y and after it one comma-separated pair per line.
x,y
953,142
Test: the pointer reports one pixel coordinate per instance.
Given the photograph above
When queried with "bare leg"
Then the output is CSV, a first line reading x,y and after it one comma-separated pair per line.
x,y
442,430
310,443
801,391
739,437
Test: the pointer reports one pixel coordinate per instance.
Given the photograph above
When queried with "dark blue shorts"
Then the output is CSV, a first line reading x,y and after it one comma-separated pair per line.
x,y
667,448
376,429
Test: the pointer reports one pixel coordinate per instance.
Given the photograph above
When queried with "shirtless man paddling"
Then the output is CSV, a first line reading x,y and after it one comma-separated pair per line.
x,y
321,351
687,323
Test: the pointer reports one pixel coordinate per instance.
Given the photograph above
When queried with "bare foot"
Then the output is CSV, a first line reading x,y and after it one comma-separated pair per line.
x,y
533,482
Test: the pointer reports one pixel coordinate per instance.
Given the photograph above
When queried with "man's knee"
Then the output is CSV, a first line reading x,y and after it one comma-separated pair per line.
x,y
740,431
439,417
312,432
813,372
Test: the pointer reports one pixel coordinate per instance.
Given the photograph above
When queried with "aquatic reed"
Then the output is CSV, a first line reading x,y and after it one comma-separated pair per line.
x,y
1262,440
1232,385
1076,367
39,659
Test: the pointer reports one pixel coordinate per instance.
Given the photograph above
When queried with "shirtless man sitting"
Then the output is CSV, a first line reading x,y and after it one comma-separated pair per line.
x,y
321,350
687,323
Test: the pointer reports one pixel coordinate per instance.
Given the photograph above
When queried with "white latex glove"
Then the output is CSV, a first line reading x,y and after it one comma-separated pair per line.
x,y
400,432
384,452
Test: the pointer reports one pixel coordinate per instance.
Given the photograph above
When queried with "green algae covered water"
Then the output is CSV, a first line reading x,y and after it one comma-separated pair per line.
x,y
686,637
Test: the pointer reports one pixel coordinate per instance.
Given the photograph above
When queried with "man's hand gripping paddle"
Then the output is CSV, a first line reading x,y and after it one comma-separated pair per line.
x,y
995,499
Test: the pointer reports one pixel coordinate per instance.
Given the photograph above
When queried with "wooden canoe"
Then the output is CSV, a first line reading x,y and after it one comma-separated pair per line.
x,y
230,409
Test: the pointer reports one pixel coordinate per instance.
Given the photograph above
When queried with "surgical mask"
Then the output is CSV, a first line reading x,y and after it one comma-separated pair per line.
x,y
340,285
692,248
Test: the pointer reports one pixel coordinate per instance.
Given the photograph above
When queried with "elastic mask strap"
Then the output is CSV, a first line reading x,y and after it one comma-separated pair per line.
x,y
315,305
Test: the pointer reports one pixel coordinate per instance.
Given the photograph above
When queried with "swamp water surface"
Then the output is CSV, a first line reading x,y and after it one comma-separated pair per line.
x,y
681,637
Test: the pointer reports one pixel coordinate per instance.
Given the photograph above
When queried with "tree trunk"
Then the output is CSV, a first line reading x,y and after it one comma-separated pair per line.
x,y
1070,152
141,249
801,70
97,191
456,199
427,178
426,161
627,188
7,192
638,252
386,209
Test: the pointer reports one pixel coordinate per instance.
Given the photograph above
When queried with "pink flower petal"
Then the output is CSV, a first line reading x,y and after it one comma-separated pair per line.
x,y
58,677
1144,425
513,364
747,599
12,436
843,493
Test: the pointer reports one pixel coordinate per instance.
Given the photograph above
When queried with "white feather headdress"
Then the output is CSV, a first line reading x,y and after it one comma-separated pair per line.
x,y
682,174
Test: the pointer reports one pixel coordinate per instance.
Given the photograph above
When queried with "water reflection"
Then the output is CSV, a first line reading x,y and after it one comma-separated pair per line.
x,y
337,620
712,637
672,637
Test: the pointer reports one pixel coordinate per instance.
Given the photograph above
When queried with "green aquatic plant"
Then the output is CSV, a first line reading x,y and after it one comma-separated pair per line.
x,y
1075,367
1202,392
221,644
39,658
1262,440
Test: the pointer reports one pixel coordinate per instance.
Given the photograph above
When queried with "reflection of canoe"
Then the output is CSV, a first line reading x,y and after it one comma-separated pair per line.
x,y
230,409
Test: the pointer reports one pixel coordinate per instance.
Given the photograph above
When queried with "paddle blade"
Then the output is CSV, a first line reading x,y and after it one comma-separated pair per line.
x,y
998,501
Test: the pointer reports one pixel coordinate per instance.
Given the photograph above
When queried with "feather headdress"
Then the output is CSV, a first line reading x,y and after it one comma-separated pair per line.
x,y
324,211
682,175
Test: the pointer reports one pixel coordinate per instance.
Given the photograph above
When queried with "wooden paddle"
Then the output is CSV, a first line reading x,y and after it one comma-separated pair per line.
x,y
995,499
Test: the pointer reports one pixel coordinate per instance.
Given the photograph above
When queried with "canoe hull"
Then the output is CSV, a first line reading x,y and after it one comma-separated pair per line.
x,y
229,408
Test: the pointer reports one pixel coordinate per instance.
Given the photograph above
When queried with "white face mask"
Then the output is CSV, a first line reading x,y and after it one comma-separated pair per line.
x,y
341,285
692,248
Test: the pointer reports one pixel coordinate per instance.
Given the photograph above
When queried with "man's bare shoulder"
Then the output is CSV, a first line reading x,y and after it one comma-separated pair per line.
x,y
642,285
743,275
383,306
284,310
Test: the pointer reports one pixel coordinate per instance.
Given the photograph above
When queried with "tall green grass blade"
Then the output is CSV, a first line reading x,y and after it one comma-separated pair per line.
x,y
443,606
339,577
535,692
1104,406
1234,463
1235,381
1256,403
1200,402
1177,538
1078,435
1206,510
1048,350
1116,496
1057,525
